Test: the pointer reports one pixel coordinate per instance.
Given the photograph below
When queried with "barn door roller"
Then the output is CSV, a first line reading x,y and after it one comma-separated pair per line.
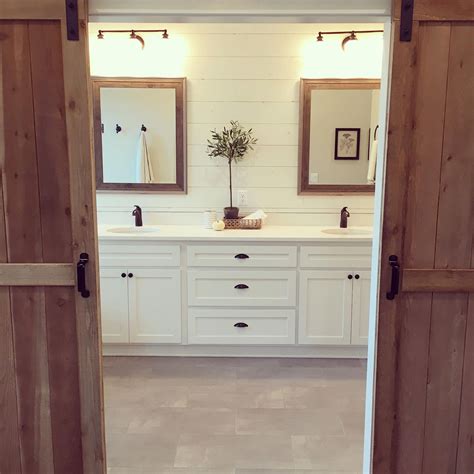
x,y
406,20
72,20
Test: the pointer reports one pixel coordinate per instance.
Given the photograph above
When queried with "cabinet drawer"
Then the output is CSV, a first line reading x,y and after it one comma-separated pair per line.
x,y
139,254
241,288
236,326
337,256
241,256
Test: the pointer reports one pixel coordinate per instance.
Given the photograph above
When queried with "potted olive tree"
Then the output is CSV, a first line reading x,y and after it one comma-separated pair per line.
x,y
232,144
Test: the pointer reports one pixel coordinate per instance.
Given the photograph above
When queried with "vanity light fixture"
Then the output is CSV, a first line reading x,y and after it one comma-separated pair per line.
x,y
350,35
133,34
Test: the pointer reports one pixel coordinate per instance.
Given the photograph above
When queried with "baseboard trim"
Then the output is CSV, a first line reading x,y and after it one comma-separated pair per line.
x,y
350,352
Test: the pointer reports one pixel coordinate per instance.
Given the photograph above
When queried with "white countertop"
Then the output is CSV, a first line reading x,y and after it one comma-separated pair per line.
x,y
267,233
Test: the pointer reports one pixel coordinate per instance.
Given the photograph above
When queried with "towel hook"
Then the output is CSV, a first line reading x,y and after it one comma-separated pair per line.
x,y
375,132
143,129
118,128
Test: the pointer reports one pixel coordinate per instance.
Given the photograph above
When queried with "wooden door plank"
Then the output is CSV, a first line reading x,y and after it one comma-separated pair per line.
x,y
23,233
449,280
453,250
32,9
9,436
37,274
53,176
419,250
465,454
432,10
448,329
399,152
83,215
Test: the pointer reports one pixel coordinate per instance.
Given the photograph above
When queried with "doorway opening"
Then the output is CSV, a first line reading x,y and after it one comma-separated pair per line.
x,y
242,350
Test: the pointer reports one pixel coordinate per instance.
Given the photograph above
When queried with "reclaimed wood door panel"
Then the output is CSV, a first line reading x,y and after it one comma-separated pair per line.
x,y
465,454
51,400
424,336
437,10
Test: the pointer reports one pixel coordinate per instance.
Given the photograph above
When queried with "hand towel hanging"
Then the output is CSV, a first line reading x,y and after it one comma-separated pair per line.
x,y
144,166
372,163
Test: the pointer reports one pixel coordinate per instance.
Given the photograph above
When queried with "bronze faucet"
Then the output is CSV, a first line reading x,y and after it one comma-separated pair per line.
x,y
137,212
344,215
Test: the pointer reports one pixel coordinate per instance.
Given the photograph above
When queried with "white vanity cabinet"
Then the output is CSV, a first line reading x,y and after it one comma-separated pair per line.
x,y
360,307
154,302
114,305
334,307
325,307
140,304
172,294
334,296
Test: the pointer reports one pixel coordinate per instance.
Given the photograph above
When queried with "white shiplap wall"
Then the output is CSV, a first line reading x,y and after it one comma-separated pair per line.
x,y
248,73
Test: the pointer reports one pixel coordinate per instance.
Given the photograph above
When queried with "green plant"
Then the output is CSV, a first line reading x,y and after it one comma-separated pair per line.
x,y
231,144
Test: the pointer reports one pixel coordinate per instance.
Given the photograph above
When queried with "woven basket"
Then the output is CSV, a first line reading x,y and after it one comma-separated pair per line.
x,y
251,224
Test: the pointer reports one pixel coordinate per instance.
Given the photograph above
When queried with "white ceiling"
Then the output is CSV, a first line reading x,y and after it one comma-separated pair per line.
x,y
237,10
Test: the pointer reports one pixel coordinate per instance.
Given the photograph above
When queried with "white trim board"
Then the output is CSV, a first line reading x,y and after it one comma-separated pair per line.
x,y
238,10
376,251
351,352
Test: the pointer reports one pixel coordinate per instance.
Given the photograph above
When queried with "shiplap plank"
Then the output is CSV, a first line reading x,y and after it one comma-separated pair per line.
x,y
244,68
243,177
260,112
267,134
23,232
262,155
242,90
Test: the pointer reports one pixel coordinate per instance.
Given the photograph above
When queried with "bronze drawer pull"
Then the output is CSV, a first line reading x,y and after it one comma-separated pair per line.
x,y
241,286
242,256
241,325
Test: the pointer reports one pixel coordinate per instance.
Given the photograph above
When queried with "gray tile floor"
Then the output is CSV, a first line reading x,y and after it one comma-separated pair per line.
x,y
233,415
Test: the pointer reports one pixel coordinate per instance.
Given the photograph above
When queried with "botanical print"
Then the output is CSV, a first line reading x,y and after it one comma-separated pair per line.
x,y
347,144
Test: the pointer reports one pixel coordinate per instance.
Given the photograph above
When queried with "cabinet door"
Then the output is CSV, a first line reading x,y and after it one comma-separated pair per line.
x,y
325,307
360,307
114,305
154,305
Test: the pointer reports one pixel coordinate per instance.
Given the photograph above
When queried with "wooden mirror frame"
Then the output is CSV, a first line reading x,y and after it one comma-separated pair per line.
x,y
179,84
306,86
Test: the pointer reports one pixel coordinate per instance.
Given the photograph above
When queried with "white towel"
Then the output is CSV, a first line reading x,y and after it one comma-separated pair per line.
x,y
256,215
144,168
372,163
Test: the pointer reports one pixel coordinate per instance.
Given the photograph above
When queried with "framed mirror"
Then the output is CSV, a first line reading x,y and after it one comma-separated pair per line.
x,y
338,135
140,134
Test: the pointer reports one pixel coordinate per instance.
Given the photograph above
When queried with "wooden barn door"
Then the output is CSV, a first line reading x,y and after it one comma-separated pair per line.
x,y
50,381
424,400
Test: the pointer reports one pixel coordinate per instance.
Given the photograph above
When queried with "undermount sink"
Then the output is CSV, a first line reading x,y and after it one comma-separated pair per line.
x,y
132,230
347,231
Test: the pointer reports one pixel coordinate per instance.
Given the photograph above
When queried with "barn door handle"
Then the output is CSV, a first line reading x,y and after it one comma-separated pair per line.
x,y
241,325
241,286
81,275
393,261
